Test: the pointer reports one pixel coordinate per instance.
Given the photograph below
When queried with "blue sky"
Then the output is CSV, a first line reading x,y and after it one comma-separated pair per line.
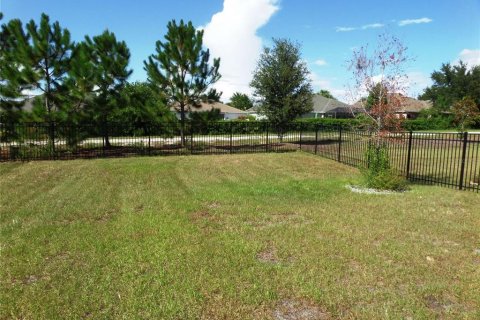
x,y
435,31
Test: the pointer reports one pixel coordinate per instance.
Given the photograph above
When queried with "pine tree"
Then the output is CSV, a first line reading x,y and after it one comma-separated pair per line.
x,y
110,60
180,68
13,79
41,59
80,84
47,57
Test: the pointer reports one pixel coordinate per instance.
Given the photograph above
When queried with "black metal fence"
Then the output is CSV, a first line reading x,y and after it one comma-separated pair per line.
x,y
448,159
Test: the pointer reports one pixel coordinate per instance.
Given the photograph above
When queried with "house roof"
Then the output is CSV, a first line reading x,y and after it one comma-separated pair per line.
x,y
407,104
322,105
413,105
204,106
327,105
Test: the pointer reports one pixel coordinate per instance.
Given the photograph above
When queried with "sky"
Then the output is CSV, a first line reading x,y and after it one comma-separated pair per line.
x,y
435,32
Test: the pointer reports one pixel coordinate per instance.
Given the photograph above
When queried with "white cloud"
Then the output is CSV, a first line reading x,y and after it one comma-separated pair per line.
x,y
417,82
406,22
470,56
344,29
364,27
320,83
320,62
232,35
373,26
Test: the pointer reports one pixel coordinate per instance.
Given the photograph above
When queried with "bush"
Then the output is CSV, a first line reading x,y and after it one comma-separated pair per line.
x,y
434,123
333,122
379,175
387,180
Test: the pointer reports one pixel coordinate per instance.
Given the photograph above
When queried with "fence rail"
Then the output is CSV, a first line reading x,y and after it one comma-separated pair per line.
x,y
447,159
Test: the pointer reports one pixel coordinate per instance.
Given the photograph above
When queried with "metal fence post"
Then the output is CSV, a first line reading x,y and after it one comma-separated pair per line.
x,y
409,154
231,137
104,139
266,142
339,144
52,132
149,139
301,131
464,154
316,138
191,138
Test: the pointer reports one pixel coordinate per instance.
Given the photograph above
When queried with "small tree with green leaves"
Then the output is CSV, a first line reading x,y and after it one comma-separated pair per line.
x,y
144,105
281,82
180,68
466,113
240,101
110,59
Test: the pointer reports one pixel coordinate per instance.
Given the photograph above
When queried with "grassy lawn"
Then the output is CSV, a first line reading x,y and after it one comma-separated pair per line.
x,y
230,237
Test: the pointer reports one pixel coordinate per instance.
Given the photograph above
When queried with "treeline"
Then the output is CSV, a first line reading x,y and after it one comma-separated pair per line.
x,y
86,82
73,83
455,95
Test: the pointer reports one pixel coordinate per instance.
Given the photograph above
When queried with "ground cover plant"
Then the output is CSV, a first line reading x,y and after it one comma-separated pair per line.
x,y
264,236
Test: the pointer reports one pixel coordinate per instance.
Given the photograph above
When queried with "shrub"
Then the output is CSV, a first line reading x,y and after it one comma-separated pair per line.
x,y
378,174
434,123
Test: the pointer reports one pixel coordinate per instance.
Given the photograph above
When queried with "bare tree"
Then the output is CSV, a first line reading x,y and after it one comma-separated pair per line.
x,y
380,75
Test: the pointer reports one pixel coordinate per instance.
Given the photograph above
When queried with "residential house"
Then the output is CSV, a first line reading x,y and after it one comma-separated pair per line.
x,y
409,108
226,112
330,108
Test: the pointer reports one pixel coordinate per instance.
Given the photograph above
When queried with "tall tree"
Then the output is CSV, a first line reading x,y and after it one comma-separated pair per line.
x,y
47,57
282,84
452,84
41,60
181,69
326,94
110,60
13,77
240,101
80,83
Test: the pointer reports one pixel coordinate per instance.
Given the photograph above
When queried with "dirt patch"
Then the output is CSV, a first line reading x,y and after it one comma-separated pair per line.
x,y
139,208
438,305
290,309
213,205
269,255
200,215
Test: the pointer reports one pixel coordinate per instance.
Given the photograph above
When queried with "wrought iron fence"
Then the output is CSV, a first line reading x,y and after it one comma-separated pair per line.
x,y
447,159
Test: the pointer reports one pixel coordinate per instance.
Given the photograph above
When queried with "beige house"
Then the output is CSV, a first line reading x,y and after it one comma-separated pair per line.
x,y
409,107
227,112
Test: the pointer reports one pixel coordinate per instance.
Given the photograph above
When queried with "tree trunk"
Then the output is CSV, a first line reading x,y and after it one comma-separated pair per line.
x,y
182,125
105,132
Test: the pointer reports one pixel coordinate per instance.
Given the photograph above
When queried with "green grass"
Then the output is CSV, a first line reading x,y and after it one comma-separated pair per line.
x,y
181,238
